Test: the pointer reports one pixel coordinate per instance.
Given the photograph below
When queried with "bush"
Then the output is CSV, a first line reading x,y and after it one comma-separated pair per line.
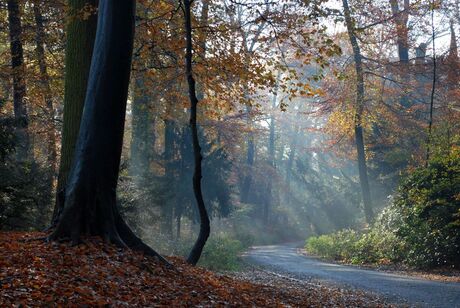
x,y
221,253
323,246
421,228
375,247
429,204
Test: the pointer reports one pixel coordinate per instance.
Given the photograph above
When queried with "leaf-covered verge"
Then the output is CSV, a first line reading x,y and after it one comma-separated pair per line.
x,y
35,273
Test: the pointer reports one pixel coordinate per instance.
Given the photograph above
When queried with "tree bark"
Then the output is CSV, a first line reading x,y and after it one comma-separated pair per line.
x,y
79,49
205,229
19,85
359,107
90,205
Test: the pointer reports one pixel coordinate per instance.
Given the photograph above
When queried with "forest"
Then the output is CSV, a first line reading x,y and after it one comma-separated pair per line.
x,y
220,153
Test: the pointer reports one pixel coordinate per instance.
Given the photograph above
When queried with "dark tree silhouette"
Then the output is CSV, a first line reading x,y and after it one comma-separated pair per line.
x,y
19,85
205,229
90,205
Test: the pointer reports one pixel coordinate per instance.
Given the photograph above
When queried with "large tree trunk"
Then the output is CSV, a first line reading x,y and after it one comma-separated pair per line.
x,y
79,49
19,85
359,107
205,229
90,205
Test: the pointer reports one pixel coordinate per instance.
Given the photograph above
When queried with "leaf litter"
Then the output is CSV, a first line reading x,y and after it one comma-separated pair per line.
x,y
35,273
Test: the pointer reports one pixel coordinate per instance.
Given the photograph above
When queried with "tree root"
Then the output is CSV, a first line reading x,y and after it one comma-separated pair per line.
x,y
114,231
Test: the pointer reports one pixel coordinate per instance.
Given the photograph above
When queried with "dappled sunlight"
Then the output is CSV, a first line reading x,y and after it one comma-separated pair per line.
x,y
311,143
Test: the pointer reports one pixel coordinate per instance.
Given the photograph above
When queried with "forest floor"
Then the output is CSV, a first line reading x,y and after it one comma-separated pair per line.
x,y
36,273
285,260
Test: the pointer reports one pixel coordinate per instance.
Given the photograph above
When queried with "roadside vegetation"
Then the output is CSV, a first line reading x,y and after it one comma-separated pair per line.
x,y
420,228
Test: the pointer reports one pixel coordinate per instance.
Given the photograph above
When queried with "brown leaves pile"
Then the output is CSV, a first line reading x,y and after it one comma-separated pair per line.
x,y
35,273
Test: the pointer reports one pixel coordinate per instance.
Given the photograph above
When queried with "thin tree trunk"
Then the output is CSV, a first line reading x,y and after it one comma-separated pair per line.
x,y
142,119
46,88
90,205
250,157
178,226
19,85
433,90
81,33
205,229
143,132
402,32
271,144
359,107
166,226
271,150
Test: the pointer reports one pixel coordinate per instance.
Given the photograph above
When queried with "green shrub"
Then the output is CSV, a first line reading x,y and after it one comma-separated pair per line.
x,y
221,253
358,248
322,246
429,205
421,228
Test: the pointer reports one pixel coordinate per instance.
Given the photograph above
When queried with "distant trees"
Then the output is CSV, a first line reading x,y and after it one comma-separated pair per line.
x,y
19,85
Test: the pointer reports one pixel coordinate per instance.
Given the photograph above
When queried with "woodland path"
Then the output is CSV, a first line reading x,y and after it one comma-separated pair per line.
x,y
393,288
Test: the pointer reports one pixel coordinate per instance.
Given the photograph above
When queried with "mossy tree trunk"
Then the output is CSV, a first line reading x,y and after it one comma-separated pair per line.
x,y
90,205
80,32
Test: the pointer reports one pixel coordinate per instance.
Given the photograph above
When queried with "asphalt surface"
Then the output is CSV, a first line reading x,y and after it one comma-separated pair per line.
x,y
394,288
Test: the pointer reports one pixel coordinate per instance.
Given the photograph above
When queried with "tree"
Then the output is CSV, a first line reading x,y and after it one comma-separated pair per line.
x,y
205,229
90,204
143,121
359,107
81,31
19,85
402,32
47,93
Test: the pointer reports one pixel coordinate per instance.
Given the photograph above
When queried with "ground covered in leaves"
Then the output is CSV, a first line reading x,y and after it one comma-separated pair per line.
x,y
35,273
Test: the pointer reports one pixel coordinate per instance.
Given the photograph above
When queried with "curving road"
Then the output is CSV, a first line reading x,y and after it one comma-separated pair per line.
x,y
394,288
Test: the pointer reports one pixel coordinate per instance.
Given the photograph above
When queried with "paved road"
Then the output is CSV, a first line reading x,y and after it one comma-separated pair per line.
x,y
392,287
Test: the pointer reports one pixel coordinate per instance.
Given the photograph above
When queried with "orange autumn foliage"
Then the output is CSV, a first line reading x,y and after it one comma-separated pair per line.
x,y
36,273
